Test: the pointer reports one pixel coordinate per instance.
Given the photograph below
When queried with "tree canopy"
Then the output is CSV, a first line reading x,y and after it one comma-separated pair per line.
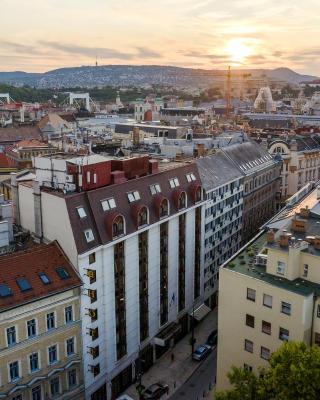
x,y
293,373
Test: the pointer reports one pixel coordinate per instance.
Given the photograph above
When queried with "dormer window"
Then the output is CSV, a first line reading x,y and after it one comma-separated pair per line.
x,y
108,204
182,201
81,212
118,226
190,177
89,235
133,196
174,182
164,208
154,189
143,216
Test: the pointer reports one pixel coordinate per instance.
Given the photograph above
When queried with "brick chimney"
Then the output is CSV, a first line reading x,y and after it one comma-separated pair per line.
x,y
304,212
270,236
117,177
153,167
284,240
316,243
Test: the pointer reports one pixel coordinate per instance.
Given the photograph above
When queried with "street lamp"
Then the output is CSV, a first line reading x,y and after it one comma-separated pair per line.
x,y
140,387
193,339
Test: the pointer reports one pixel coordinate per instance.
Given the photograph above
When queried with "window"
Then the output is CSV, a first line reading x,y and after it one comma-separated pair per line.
x,y
248,346
133,196
250,320
44,278
14,371
34,362
143,216
36,393
81,212
118,226
267,300
251,294
285,308
182,201
50,321
305,270
266,327
72,378
318,311
68,313
281,268
154,189
55,386
11,336
52,351
89,235
5,291
164,208
247,367
62,273
17,397
31,328
190,177
317,339
70,346
174,182
108,204
23,284
265,353
283,334
92,258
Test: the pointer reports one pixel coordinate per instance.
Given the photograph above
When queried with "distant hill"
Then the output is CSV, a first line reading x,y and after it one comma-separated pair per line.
x,y
140,76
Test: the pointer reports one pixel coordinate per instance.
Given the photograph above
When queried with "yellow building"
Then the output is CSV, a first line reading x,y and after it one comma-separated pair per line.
x,y
270,290
40,328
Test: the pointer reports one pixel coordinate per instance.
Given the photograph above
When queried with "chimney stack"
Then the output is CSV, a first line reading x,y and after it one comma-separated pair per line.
x,y
284,240
270,236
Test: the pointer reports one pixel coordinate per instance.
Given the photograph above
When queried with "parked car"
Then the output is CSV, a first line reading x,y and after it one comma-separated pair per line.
x,y
124,397
212,339
201,352
155,391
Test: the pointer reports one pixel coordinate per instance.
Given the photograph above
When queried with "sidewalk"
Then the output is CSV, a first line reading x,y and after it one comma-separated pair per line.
x,y
176,373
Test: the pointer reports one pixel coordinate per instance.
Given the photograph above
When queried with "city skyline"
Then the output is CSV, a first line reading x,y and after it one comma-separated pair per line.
x,y
208,34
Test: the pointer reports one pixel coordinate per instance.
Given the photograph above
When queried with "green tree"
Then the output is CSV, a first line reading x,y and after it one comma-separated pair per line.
x,y
293,373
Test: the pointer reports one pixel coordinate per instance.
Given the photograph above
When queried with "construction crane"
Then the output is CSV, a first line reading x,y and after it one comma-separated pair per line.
x,y
228,93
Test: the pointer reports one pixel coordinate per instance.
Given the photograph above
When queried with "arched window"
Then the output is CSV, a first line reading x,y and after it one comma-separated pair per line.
x,y
198,193
164,208
143,216
182,201
118,226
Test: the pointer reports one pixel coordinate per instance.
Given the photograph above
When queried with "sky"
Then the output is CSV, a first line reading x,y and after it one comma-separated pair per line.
x,y
40,35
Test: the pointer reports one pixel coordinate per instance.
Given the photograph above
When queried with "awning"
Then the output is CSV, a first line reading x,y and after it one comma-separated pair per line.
x,y
200,312
166,334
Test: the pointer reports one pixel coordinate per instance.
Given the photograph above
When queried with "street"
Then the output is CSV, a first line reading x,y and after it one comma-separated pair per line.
x,y
200,380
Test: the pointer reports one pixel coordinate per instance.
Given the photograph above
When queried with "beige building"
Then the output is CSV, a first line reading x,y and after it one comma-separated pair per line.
x,y
301,162
270,290
40,328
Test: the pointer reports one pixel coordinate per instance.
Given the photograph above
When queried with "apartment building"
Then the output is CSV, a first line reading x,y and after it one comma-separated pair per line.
x,y
261,184
223,185
135,233
269,291
301,162
40,330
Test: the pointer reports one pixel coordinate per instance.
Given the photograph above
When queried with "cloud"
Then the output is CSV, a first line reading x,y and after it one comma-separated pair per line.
x,y
17,47
144,52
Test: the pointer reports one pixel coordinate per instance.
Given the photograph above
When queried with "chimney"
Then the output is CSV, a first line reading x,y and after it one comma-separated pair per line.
x,y
37,210
153,167
118,177
284,240
304,212
136,135
270,236
316,243
298,225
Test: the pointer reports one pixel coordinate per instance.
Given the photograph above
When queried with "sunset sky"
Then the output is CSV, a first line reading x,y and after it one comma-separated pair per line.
x,y
39,35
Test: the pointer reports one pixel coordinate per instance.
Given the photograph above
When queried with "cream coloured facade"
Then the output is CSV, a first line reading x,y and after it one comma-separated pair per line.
x,y
270,291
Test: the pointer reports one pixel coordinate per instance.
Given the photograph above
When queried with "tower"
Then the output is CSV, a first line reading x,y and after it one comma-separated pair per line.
x,y
228,92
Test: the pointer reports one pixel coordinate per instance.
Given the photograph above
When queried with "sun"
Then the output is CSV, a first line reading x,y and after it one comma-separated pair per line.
x,y
238,50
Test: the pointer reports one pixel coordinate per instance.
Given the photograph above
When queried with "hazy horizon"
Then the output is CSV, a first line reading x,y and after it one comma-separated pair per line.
x,y
45,35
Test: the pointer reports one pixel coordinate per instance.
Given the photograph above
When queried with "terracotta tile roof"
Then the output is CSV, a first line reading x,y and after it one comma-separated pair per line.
x,y
28,264
97,219
31,143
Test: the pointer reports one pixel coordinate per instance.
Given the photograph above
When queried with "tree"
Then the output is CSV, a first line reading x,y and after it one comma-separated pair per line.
x,y
293,373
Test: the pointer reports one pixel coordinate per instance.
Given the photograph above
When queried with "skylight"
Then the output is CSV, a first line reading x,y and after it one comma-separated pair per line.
x,y
23,284
44,278
89,235
174,182
5,290
81,212
63,274
154,189
133,196
108,204
190,177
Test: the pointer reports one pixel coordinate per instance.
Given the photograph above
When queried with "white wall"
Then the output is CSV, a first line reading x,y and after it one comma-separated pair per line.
x,y
26,206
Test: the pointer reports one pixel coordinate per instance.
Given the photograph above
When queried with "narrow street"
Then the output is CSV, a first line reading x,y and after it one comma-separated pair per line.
x,y
200,382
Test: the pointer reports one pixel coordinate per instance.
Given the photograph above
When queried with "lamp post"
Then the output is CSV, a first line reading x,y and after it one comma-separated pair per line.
x,y
140,387
193,339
